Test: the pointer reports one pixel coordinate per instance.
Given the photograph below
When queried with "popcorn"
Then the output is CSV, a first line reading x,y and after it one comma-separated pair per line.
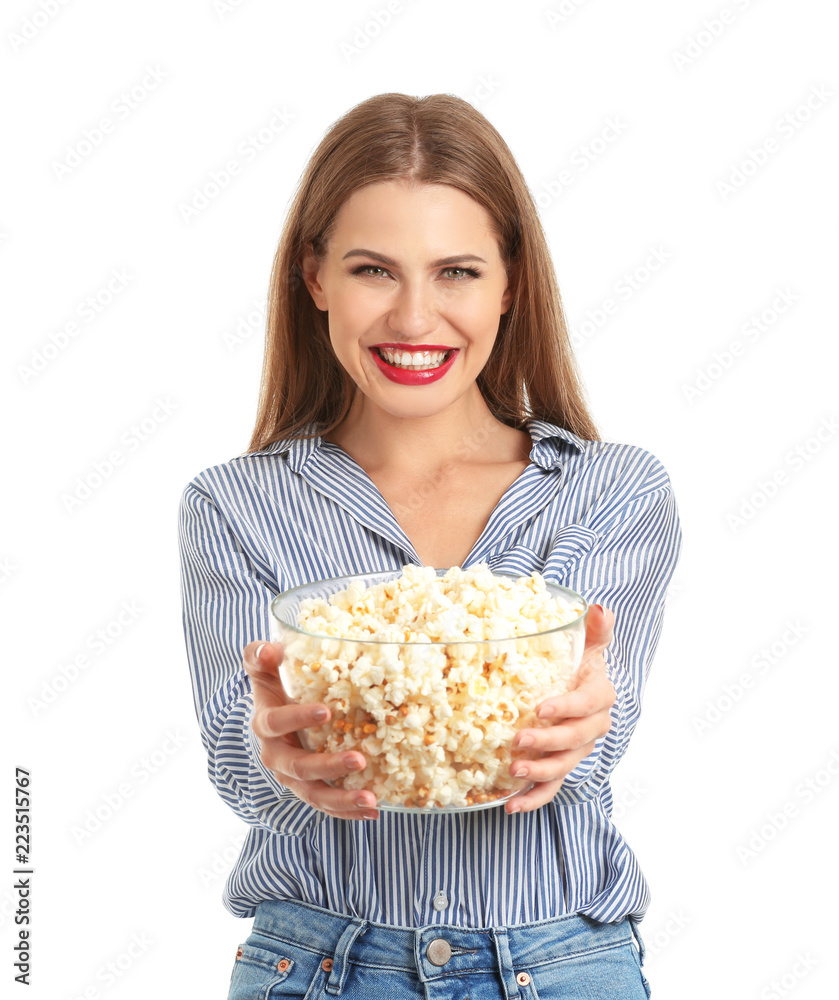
x,y
430,677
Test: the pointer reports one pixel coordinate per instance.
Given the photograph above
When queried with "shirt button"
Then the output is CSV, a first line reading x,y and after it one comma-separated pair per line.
x,y
440,901
439,951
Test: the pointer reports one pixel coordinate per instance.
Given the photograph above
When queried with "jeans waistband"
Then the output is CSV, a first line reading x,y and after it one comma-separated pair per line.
x,y
434,950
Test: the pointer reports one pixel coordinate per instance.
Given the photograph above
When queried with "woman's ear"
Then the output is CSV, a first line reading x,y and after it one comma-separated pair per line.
x,y
310,266
509,292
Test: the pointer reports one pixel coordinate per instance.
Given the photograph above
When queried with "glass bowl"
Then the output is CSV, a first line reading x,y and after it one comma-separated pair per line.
x,y
434,719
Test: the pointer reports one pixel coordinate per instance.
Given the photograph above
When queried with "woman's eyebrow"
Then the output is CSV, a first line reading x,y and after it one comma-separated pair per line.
x,y
456,259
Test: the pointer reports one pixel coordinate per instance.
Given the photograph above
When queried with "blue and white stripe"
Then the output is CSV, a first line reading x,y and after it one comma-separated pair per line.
x,y
594,516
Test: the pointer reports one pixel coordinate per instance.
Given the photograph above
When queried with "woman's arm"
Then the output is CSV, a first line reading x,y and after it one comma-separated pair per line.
x,y
626,571
225,607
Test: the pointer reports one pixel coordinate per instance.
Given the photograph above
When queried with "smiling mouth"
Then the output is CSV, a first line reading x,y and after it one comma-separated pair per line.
x,y
414,361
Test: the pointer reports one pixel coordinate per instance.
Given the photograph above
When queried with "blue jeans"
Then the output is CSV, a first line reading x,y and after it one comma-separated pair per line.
x,y
299,950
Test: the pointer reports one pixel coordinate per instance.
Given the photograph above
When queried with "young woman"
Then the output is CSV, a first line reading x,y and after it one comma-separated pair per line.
x,y
420,404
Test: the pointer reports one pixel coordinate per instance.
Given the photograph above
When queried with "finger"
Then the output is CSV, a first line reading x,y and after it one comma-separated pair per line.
x,y
571,734
593,694
554,767
303,765
534,798
271,719
262,660
599,630
337,802
588,700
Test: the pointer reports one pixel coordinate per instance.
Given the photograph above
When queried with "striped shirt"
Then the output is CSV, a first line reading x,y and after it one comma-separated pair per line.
x,y
597,517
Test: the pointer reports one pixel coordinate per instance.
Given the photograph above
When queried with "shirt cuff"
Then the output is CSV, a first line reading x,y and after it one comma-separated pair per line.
x,y
278,807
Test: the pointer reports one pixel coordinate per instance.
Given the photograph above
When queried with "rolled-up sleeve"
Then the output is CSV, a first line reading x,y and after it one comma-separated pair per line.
x,y
225,606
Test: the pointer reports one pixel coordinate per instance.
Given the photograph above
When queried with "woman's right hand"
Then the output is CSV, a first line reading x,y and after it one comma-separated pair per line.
x,y
276,722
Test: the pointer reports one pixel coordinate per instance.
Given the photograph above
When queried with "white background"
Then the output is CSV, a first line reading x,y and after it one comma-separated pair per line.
x,y
697,166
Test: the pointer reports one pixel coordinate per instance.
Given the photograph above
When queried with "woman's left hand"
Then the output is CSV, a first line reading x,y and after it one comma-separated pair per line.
x,y
582,717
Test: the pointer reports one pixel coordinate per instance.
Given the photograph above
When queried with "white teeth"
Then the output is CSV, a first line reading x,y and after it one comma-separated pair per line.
x,y
415,360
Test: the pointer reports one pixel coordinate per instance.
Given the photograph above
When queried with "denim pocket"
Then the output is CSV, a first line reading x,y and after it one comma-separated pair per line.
x,y
266,970
610,973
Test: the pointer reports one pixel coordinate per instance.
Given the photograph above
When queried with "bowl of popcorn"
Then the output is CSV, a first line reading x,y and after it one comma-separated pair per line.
x,y
429,674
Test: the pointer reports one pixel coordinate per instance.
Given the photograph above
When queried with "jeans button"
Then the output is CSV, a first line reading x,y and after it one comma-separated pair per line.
x,y
439,951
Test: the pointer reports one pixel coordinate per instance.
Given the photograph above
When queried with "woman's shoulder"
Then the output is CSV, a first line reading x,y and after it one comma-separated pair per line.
x,y
250,469
607,461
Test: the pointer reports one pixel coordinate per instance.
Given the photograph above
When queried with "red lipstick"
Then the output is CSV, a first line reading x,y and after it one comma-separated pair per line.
x,y
404,376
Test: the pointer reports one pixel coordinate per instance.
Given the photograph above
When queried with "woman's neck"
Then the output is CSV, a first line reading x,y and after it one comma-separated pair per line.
x,y
378,440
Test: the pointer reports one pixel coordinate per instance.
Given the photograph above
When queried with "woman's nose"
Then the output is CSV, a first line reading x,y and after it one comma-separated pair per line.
x,y
414,310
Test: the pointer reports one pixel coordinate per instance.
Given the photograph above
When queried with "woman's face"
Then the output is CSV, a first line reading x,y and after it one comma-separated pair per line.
x,y
414,285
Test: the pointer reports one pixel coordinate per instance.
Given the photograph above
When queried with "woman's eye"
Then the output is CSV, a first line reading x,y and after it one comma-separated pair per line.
x,y
367,268
463,273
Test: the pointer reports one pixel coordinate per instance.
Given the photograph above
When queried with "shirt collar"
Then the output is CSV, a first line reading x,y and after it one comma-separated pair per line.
x,y
551,445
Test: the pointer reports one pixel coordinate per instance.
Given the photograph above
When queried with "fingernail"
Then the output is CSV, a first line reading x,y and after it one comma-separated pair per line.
x,y
353,764
525,741
519,771
260,648
320,714
514,809
546,712
369,815
362,802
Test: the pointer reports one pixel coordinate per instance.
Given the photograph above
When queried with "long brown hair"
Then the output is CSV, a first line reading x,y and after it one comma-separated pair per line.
x,y
439,139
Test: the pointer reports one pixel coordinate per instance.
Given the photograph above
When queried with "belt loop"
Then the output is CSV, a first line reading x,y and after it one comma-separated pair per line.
x,y
335,983
633,923
505,963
